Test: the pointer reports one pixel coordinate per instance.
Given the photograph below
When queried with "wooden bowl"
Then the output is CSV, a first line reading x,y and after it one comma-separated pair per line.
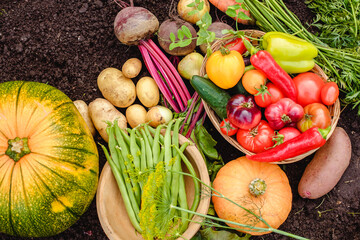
x,y
334,109
111,210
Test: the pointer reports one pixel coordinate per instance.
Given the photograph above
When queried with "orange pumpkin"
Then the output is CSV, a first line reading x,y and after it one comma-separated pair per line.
x,y
260,187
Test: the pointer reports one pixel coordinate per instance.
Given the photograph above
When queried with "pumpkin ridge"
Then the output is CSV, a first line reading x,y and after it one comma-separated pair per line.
x,y
27,203
73,163
10,190
52,194
57,174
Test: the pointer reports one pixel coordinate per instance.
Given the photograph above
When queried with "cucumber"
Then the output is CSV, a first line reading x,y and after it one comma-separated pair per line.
x,y
214,96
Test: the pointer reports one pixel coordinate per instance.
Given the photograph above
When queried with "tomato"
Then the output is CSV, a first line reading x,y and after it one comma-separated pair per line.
x,y
228,128
316,115
256,139
267,95
285,134
309,87
225,68
329,93
243,112
253,80
237,45
283,113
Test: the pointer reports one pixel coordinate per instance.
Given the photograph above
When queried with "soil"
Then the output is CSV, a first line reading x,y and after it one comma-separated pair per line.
x,y
67,43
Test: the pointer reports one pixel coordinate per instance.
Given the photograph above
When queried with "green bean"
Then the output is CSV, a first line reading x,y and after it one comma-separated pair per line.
x,y
112,144
120,181
143,165
153,131
148,134
196,183
156,145
168,151
128,183
149,159
135,150
128,164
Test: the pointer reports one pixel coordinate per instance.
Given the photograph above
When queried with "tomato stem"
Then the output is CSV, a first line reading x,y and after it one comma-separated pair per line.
x,y
224,51
18,147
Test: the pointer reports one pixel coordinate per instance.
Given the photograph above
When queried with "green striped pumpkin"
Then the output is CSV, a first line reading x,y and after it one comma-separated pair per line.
x,y
49,163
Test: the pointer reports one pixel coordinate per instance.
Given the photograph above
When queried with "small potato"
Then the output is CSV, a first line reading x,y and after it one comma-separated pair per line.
x,y
82,107
158,115
135,115
147,92
101,111
116,88
131,68
327,166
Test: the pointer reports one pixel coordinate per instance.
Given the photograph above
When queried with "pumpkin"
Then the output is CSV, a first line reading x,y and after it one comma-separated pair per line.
x,y
260,187
49,163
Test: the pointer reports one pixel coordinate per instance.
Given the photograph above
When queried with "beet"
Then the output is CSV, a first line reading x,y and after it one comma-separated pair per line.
x,y
133,24
172,26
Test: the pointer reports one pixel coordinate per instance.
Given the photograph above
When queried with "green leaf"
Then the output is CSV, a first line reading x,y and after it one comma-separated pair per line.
x,y
186,31
192,12
180,34
206,142
191,5
200,6
231,12
172,46
185,43
239,1
212,36
225,31
210,234
172,37
206,20
243,16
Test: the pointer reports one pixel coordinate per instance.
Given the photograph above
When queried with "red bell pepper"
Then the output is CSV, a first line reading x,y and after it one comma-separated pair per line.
x,y
310,139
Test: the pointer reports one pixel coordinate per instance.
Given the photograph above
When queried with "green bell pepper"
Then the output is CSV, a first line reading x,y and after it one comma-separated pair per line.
x,y
293,54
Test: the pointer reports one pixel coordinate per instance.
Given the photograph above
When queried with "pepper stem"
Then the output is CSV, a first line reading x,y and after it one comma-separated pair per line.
x,y
324,132
257,187
18,147
252,50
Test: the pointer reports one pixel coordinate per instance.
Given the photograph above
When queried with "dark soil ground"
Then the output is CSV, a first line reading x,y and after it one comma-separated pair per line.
x,y
67,43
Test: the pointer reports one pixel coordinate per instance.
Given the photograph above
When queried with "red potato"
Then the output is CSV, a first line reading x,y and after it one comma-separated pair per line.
x,y
327,166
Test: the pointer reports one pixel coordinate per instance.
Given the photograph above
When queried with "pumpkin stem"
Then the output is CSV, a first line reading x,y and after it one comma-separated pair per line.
x,y
257,187
18,147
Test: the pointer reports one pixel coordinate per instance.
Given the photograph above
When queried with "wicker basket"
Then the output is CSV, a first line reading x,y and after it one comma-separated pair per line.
x,y
334,109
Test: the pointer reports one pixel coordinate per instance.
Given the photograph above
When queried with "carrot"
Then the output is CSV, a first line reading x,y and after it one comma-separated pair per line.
x,y
223,5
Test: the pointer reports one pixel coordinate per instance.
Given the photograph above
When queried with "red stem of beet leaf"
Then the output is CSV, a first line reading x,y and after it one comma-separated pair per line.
x,y
154,73
172,85
169,83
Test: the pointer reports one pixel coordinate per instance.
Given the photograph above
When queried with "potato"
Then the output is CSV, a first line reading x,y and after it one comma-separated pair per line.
x,y
135,115
131,68
147,92
101,111
158,115
82,107
327,166
116,88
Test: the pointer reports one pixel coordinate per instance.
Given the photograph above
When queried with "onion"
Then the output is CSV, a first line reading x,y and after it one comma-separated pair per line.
x,y
190,65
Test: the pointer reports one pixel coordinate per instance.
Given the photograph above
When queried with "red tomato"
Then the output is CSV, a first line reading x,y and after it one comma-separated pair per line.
x,y
309,87
283,113
329,93
316,115
257,139
228,128
267,95
237,45
285,134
